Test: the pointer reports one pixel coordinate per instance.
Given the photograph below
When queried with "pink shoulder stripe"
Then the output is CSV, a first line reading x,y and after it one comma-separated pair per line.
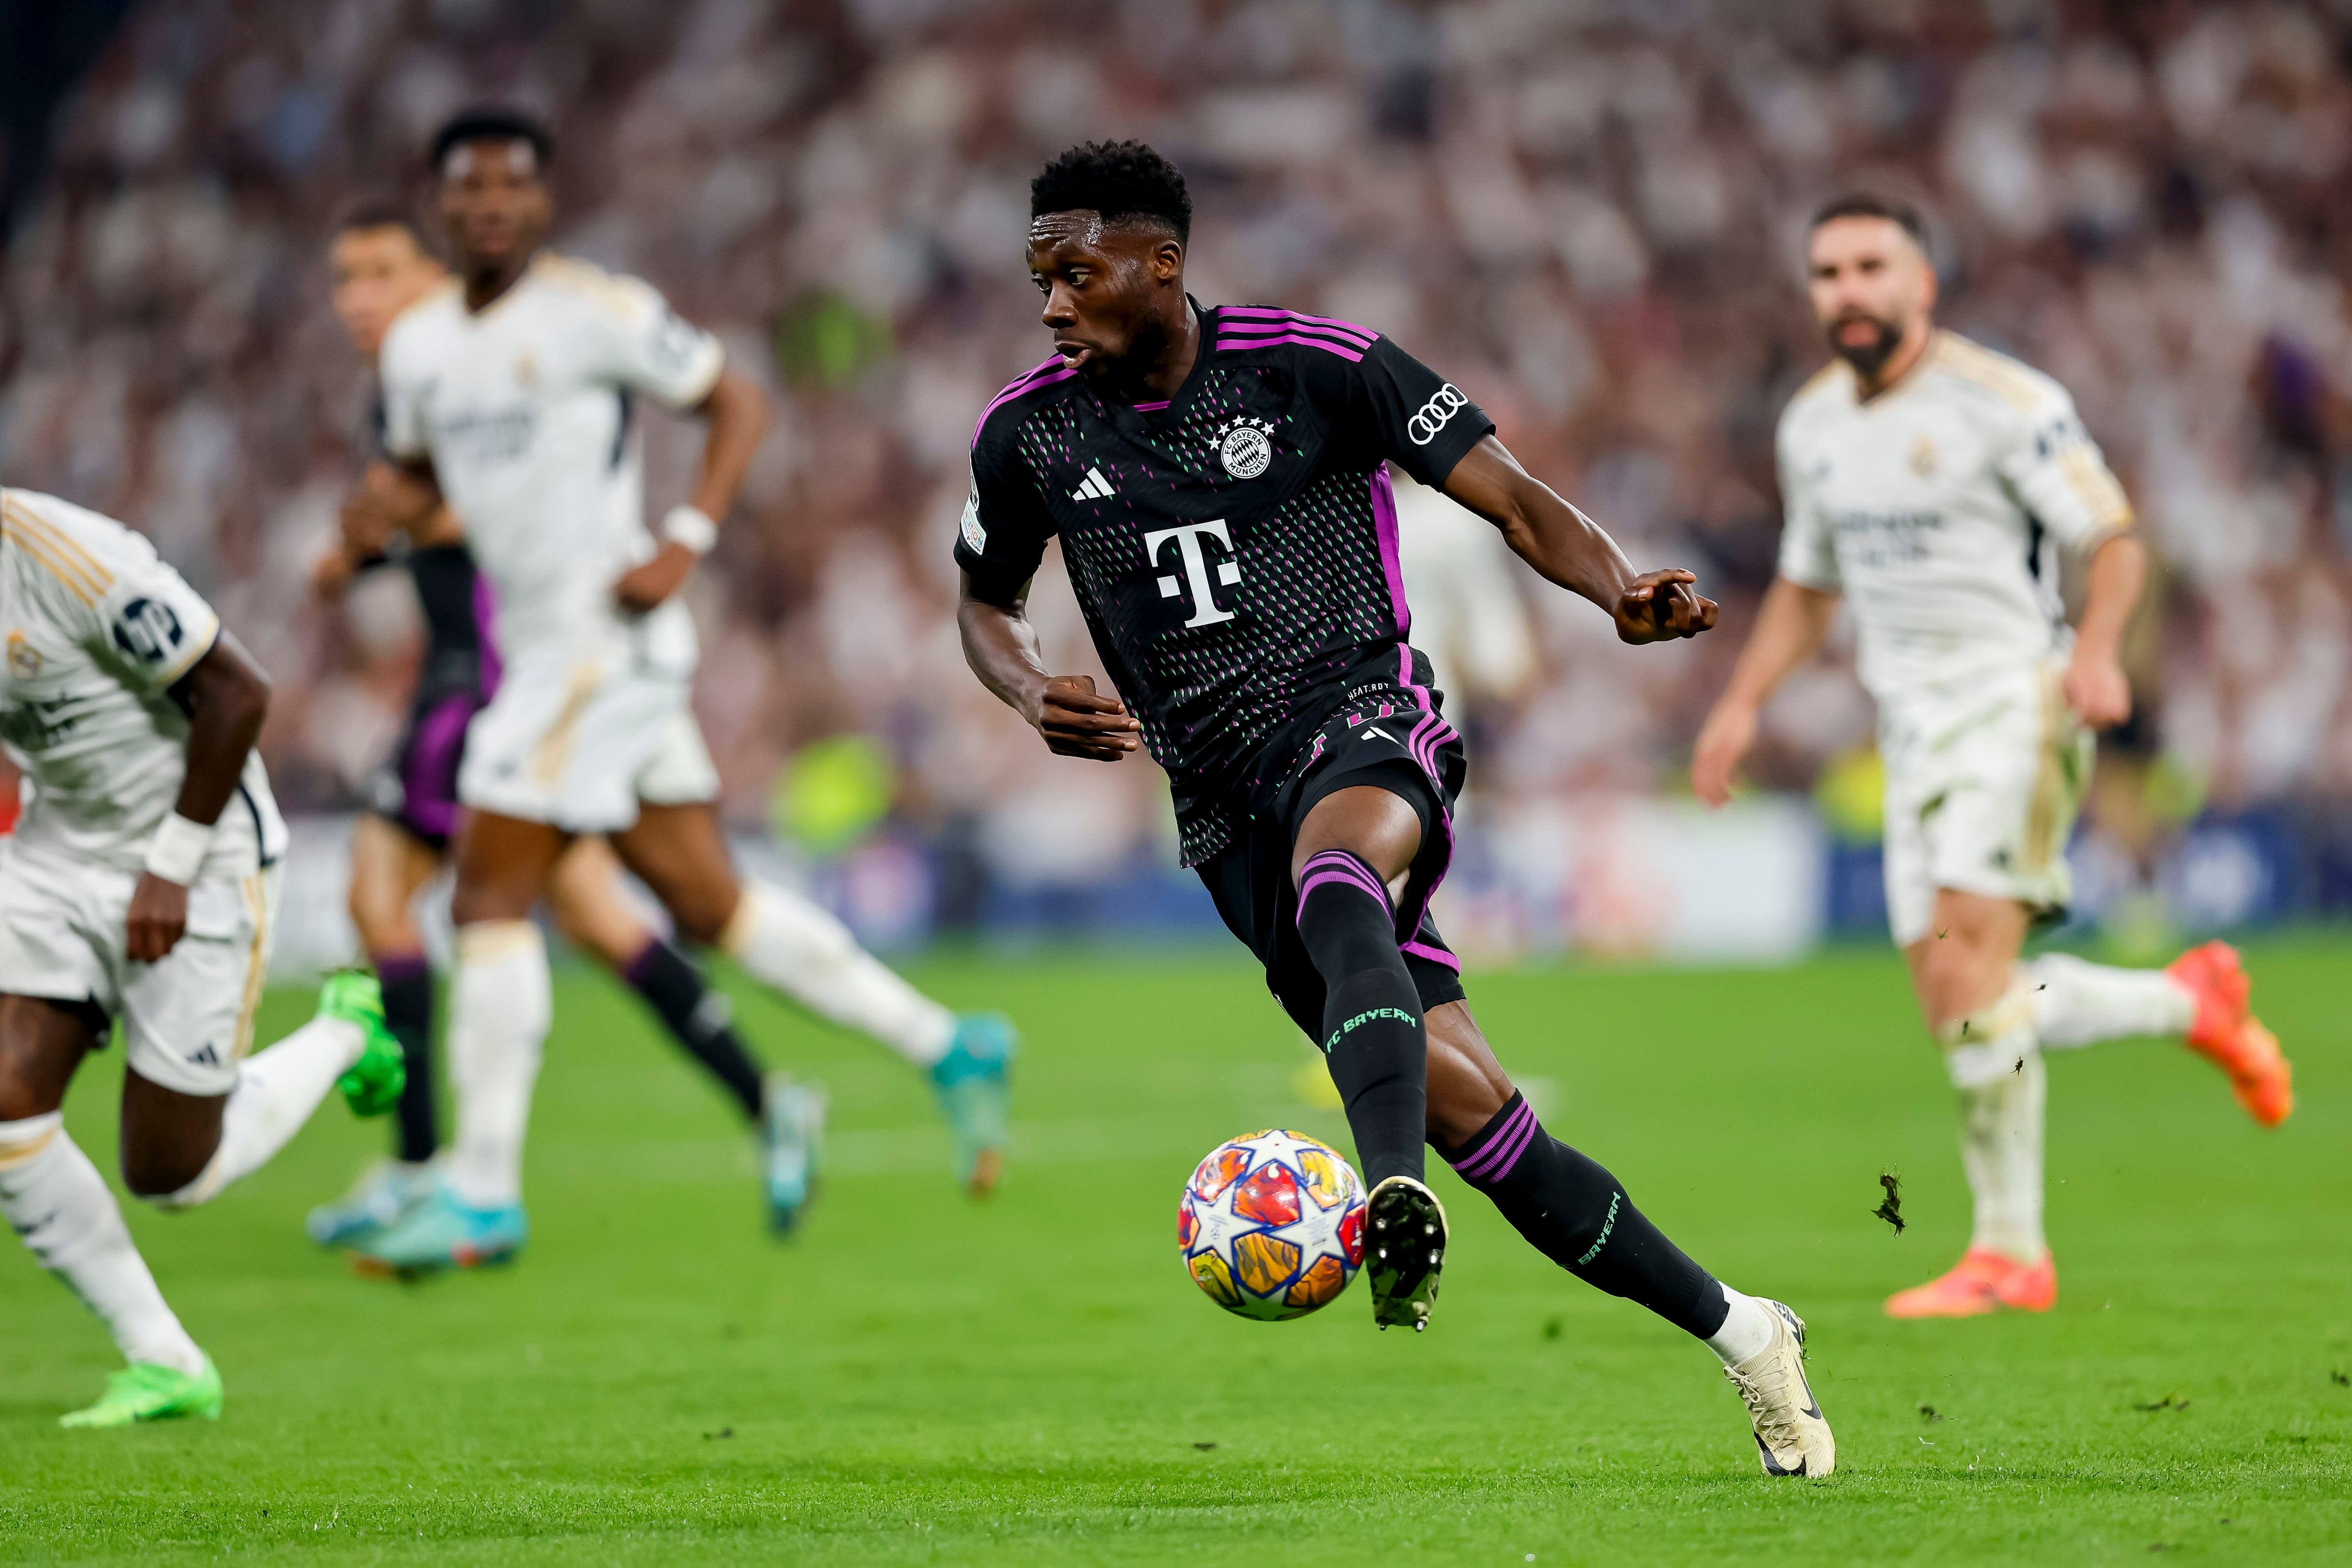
x,y
1268,312
1242,331
1227,346
1027,383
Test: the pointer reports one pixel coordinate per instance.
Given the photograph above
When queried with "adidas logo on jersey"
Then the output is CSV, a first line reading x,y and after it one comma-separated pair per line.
x,y
1095,488
205,1056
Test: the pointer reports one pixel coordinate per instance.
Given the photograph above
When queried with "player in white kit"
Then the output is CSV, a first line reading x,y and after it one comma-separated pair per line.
x,y
1934,484
140,885
510,395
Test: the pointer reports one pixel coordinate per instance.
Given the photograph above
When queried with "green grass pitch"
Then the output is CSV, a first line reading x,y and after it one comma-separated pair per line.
x,y
1036,1382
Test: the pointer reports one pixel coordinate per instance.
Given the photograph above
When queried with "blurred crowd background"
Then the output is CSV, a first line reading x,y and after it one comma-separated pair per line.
x,y
1587,212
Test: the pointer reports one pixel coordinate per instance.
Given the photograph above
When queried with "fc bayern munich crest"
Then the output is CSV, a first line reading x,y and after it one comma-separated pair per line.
x,y
1246,447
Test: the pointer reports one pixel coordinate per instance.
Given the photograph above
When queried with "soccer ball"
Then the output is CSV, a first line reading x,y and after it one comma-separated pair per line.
x,y
1271,1225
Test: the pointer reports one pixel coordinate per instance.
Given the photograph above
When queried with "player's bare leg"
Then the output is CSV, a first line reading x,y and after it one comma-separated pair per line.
x,y
58,1203
594,913
795,947
389,867
1980,1005
178,1150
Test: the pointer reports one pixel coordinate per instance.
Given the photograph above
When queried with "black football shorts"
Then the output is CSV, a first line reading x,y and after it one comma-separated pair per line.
x,y
1412,753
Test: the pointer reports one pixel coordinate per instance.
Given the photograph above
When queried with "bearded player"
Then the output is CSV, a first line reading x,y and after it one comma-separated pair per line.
x,y
141,885
1216,479
1934,481
382,266
511,397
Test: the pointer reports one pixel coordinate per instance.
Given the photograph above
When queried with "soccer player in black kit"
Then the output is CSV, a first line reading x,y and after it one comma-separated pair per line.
x,y
1215,477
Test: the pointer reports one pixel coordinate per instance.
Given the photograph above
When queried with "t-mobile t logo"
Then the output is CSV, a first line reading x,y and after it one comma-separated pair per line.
x,y
1205,611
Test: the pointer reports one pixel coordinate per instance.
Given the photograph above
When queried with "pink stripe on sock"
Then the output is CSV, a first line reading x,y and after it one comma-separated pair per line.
x,y
1501,1150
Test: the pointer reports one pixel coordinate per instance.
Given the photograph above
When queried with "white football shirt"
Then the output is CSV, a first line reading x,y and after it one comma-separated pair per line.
x,y
98,630
526,410
1937,509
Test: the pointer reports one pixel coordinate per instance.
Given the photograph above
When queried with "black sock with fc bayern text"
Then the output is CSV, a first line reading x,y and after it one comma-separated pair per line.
x,y
1576,1214
1372,1034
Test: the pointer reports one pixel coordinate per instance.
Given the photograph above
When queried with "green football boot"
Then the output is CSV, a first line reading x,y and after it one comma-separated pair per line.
x,y
143,1391
373,1085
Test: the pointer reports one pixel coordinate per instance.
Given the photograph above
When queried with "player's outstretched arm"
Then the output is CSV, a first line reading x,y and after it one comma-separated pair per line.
x,y
1001,647
735,415
1790,629
2095,685
1572,550
225,698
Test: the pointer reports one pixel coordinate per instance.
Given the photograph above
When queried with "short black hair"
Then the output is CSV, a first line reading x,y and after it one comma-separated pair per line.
x,y
1120,180
380,211
492,122
1871,204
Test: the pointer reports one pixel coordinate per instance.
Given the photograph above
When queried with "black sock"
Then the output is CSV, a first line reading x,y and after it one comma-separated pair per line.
x,y
1372,1035
407,983
1575,1214
699,1018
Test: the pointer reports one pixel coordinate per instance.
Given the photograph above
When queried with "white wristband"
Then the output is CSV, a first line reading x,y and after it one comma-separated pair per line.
x,y
690,526
177,849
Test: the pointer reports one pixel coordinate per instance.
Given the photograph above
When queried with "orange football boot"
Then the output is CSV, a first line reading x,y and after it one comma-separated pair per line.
x,y
1984,1282
2227,1035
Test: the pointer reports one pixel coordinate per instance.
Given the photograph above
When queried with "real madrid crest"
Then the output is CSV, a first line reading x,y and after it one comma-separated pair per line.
x,y
1923,456
23,659
1245,446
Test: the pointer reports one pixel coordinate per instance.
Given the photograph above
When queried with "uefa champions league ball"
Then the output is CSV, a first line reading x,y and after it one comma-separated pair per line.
x,y
1271,1225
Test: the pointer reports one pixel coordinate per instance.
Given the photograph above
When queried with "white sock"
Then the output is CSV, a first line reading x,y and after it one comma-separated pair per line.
x,y
788,943
276,1092
1996,1066
500,1004
58,1203
2077,1003
1747,1327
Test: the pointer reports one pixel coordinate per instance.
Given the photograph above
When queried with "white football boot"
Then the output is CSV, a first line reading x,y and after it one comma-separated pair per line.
x,y
1792,1437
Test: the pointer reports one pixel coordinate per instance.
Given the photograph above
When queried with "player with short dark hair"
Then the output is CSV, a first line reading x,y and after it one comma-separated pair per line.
x,y
1941,489
1216,478
382,265
516,389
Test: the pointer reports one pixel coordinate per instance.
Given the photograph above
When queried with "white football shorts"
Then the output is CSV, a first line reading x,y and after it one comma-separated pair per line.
x,y
1982,785
187,1021
578,743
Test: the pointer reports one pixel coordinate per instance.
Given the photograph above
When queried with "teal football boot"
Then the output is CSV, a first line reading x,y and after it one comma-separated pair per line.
x,y
385,1190
791,1137
441,1234
973,1080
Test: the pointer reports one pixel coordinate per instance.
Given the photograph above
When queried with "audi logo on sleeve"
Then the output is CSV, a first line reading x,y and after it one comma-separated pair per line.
x,y
1435,415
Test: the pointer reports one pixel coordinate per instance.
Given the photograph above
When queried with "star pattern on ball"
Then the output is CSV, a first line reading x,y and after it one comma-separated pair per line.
x,y
1285,1147
1220,1227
